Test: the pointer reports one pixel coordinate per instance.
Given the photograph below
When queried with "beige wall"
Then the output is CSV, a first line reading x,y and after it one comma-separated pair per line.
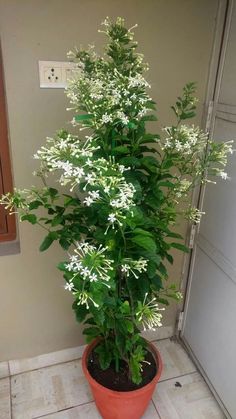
x,y
176,37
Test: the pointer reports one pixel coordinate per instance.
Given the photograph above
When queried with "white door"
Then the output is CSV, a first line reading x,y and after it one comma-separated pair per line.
x,y
209,327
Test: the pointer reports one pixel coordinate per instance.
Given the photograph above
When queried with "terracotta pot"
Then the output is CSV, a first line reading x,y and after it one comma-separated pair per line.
x,y
121,405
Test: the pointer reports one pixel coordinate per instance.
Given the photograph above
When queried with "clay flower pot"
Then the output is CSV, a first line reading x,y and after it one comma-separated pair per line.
x,y
125,404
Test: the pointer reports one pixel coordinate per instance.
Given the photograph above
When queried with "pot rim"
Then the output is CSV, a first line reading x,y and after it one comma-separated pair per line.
x,y
125,394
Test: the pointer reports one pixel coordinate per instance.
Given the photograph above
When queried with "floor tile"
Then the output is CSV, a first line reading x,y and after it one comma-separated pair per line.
x,y
175,360
4,370
86,411
89,411
151,412
29,364
5,404
191,399
49,390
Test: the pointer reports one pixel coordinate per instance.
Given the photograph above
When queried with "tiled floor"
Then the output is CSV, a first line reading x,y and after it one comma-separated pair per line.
x,y
59,391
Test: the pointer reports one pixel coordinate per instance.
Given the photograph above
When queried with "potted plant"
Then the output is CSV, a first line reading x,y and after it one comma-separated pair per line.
x,y
114,212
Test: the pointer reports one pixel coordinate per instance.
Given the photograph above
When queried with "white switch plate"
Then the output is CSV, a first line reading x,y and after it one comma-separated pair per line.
x,y
55,74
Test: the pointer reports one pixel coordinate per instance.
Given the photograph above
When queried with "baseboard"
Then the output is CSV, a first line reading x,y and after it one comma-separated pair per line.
x,y
19,366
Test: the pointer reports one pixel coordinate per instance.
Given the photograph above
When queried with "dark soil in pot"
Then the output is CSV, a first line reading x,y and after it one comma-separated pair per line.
x,y
120,381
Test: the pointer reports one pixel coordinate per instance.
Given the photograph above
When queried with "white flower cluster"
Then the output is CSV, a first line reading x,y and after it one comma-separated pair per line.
x,y
149,314
102,179
69,155
194,214
182,187
84,298
109,95
137,81
185,139
130,266
90,264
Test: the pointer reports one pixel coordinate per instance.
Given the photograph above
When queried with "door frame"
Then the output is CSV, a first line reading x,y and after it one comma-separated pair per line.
x,y
221,35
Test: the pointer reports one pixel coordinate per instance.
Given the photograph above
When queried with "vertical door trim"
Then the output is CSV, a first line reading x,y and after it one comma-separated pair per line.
x,y
221,33
222,30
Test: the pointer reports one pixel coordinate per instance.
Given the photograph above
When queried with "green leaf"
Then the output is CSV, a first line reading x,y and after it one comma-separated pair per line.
x,y
84,117
144,242
166,183
52,192
57,220
34,205
174,235
80,311
169,258
61,266
131,125
121,150
29,217
157,282
151,270
90,321
149,138
125,307
163,301
64,243
161,268
104,355
152,256
129,326
167,164
91,331
130,161
49,239
180,246
142,232
150,163
149,118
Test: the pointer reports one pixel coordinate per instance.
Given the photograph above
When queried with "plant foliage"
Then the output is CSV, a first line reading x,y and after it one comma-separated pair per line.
x,y
125,185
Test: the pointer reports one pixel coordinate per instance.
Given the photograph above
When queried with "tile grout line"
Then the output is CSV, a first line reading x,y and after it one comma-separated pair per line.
x,y
10,396
46,366
178,376
158,414
63,410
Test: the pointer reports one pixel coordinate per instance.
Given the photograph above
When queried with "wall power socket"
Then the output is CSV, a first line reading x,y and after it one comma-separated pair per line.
x,y
55,74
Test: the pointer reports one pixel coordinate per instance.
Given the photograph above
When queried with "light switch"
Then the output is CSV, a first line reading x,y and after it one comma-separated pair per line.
x,y
55,74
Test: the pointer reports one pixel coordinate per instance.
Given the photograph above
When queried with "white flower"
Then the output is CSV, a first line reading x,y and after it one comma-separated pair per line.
x,y
125,268
70,266
122,168
69,286
85,272
149,314
93,277
67,167
131,265
79,172
224,175
112,218
107,189
106,118
73,258
88,201
94,194
194,214
90,178
178,145
83,298
89,162
142,112
94,266
124,118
